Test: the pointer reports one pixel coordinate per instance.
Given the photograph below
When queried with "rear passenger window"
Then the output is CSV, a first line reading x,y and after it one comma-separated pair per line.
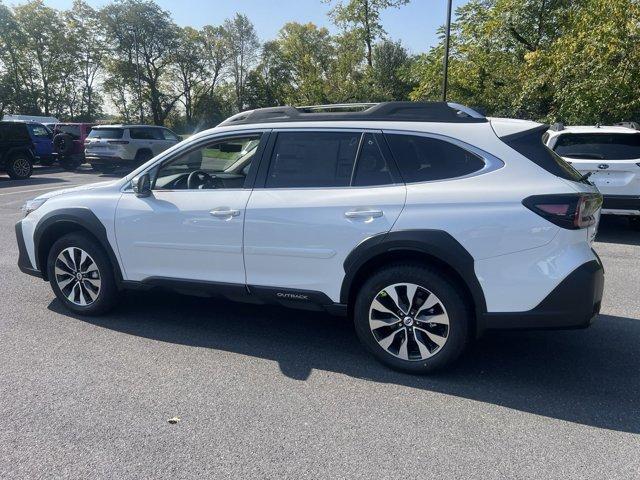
x,y
145,134
422,159
371,169
313,159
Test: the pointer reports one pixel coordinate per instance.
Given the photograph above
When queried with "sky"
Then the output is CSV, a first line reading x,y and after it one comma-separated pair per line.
x,y
415,24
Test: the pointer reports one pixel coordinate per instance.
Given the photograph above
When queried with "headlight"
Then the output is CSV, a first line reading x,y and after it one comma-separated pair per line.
x,y
32,205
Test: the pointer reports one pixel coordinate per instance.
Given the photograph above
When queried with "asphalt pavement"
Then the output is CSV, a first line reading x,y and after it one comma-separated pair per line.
x,y
265,392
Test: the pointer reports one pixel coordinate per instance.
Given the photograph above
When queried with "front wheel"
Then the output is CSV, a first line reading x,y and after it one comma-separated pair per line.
x,y
81,275
412,318
19,167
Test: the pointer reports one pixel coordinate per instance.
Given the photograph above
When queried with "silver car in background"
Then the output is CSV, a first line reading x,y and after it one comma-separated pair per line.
x,y
109,147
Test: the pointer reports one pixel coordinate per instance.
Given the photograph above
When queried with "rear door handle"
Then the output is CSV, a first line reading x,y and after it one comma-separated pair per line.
x,y
224,213
363,214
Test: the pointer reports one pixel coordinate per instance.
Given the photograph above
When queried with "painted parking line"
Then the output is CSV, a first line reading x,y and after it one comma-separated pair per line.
x,y
57,187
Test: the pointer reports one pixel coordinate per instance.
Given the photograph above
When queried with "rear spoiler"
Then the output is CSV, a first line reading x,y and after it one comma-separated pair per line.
x,y
508,129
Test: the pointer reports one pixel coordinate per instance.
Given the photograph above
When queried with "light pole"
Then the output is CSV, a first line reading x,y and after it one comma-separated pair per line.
x,y
135,40
445,62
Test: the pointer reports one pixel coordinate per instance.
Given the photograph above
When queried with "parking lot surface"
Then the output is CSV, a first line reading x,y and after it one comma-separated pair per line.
x,y
264,392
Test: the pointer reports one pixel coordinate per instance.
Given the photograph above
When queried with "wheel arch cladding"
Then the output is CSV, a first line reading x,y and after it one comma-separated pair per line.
x,y
434,247
61,222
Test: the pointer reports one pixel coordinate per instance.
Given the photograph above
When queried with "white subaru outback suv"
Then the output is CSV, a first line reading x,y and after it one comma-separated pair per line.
x,y
610,156
426,223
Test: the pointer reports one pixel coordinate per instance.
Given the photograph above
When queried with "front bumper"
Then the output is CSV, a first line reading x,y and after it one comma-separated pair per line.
x,y
574,303
24,264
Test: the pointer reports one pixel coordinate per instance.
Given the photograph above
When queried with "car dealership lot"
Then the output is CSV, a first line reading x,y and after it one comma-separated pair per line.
x,y
268,392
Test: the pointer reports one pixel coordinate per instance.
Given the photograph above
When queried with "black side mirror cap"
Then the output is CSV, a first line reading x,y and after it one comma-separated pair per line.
x,y
142,185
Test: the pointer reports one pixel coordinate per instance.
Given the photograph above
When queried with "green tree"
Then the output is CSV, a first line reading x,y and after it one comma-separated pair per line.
x,y
143,39
363,16
243,45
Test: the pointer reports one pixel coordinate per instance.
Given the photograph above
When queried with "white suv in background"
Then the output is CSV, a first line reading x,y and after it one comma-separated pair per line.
x,y
610,156
426,223
109,147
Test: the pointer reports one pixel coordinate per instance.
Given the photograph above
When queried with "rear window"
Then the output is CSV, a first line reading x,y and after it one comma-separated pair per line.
x,y
422,159
529,144
599,146
107,133
73,130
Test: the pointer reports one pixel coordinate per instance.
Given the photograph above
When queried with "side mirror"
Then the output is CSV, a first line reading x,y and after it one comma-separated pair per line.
x,y
142,185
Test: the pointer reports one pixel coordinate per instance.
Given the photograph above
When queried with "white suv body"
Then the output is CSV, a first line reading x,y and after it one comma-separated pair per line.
x,y
108,147
423,222
611,157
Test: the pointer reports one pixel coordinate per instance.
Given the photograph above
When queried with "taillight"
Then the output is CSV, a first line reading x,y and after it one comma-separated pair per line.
x,y
118,142
572,211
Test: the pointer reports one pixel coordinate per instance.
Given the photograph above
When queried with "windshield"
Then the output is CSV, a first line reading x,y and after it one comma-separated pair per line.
x,y
599,146
108,133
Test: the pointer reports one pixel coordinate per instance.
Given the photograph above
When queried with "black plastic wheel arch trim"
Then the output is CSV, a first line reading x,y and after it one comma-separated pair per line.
x,y
436,243
24,263
85,219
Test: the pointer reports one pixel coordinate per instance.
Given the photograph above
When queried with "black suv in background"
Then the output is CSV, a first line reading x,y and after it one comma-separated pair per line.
x,y
16,150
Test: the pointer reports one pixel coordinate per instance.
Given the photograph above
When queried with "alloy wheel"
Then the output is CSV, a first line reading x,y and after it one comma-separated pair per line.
x,y
21,167
408,321
77,276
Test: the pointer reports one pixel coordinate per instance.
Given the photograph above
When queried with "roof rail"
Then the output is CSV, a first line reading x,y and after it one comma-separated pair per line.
x,y
385,111
633,125
558,127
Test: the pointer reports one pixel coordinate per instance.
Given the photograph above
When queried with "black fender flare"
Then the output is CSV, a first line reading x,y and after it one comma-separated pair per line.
x,y
20,149
434,243
83,218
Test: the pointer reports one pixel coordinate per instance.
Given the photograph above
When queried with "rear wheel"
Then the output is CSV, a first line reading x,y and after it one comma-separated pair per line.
x,y
19,167
412,318
81,275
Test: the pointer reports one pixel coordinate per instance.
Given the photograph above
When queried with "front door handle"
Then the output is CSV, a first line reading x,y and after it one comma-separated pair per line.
x,y
363,214
224,213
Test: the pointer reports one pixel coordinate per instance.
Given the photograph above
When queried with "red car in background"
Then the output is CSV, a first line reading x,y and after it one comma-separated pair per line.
x,y
68,143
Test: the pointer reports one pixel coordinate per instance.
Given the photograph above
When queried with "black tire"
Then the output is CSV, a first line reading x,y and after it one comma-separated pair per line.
x,y
69,164
451,297
107,295
63,144
19,166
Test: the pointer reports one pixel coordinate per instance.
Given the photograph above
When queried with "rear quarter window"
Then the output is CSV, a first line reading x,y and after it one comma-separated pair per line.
x,y
423,159
14,131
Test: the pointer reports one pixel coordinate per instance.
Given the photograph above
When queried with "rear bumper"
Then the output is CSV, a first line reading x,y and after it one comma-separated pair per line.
x,y
621,204
574,303
108,161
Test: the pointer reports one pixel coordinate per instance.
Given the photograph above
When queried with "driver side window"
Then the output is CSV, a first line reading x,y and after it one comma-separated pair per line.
x,y
222,163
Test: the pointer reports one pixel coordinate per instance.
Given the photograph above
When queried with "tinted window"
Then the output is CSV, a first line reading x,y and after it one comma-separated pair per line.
x,y
39,131
529,144
169,135
599,146
313,159
14,131
371,168
145,134
108,133
422,159
73,130
220,164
